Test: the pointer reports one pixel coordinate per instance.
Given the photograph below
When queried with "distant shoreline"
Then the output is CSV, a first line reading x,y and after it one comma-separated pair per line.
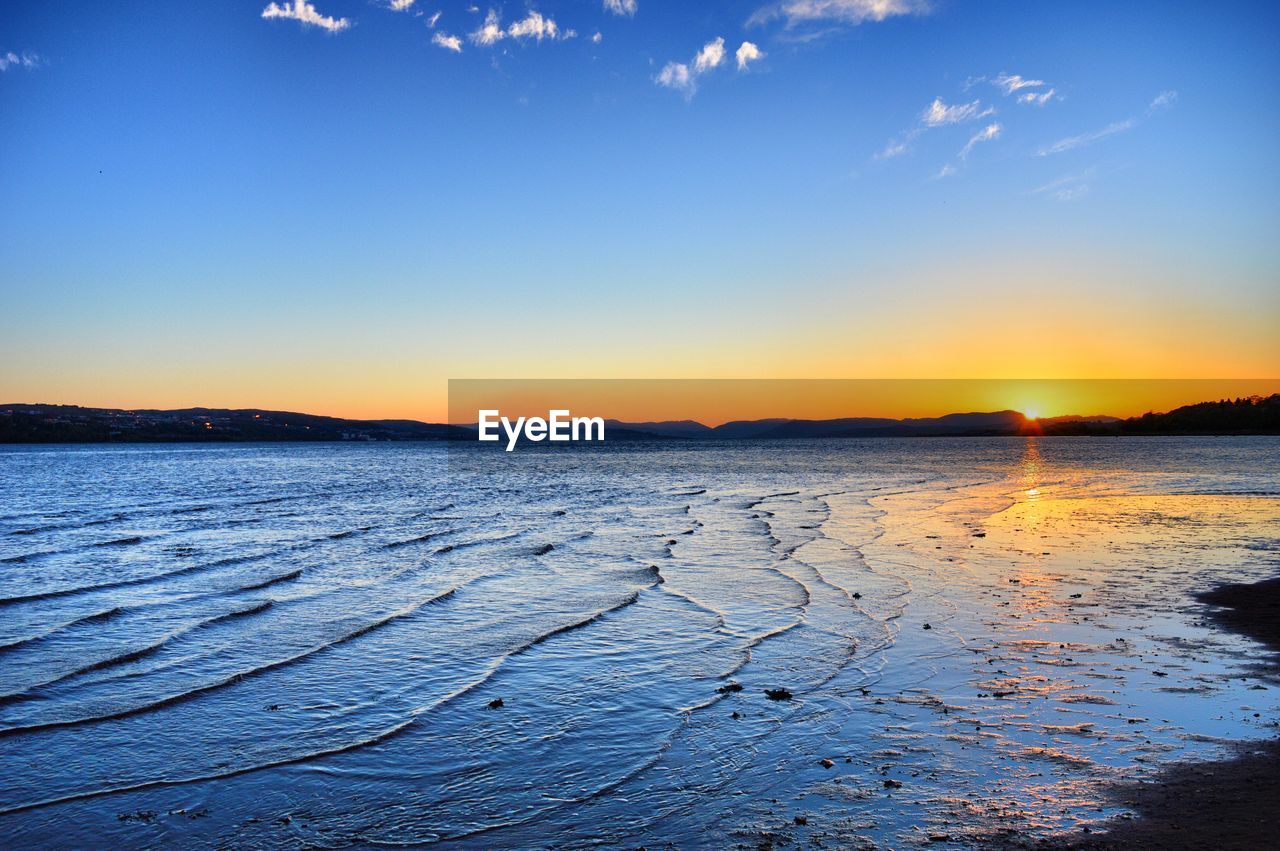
x,y
603,444
35,423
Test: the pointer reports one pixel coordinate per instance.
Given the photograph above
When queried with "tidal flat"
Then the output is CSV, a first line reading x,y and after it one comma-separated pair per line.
x,y
857,643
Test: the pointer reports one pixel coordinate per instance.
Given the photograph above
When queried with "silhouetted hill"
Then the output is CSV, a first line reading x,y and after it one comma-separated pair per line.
x,y
1254,415
28,423
34,423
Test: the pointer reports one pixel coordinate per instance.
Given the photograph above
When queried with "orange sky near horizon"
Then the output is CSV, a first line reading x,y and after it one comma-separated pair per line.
x,y
715,401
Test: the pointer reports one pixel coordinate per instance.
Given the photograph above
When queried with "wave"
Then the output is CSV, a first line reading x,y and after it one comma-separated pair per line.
x,y
96,617
140,653
477,542
267,583
156,577
377,738
232,679
121,542
76,524
418,540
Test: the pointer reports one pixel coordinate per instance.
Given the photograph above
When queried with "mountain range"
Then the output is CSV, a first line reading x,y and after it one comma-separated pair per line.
x,y
41,423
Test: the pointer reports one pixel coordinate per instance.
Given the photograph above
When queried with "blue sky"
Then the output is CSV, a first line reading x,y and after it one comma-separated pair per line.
x,y
218,202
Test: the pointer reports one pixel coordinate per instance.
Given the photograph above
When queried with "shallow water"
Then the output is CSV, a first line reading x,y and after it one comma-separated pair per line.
x,y
266,645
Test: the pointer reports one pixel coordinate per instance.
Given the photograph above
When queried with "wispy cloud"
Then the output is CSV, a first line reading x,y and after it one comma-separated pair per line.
x,y
626,8
1164,100
899,146
851,12
597,38
947,170
1083,139
748,53
305,13
535,26
986,134
1013,84
938,113
1037,98
1010,83
1072,187
683,76
1161,102
434,19
448,42
13,60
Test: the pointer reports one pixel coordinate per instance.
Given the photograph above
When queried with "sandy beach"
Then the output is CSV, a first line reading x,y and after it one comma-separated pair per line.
x,y
1223,804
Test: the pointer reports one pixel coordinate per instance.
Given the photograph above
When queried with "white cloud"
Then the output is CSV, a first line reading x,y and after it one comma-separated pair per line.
x,y
946,171
896,148
710,56
401,5
1073,187
1037,99
1162,101
1087,138
986,134
490,31
13,60
534,26
597,38
680,76
675,75
938,113
1072,193
851,12
626,8
1011,83
305,13
448,42
431,21
748,52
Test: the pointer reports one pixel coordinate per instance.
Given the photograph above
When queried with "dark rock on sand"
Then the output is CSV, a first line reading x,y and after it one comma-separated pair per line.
x,y
144,816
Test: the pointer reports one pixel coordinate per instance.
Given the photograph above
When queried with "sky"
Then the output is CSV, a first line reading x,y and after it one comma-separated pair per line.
x,y
337,206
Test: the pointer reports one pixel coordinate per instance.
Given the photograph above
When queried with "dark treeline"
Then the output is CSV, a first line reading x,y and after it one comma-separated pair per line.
x,y
1253,415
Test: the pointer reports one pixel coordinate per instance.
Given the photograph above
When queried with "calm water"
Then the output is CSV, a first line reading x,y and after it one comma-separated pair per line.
x,y
269,645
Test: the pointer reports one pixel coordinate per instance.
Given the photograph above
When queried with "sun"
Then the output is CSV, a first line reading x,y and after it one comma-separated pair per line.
x,y
1031,414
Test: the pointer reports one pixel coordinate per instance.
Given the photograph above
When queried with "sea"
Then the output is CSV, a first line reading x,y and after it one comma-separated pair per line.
x,y
693,644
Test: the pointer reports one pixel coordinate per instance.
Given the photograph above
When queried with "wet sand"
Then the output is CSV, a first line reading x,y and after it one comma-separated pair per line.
x,y
1225,804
